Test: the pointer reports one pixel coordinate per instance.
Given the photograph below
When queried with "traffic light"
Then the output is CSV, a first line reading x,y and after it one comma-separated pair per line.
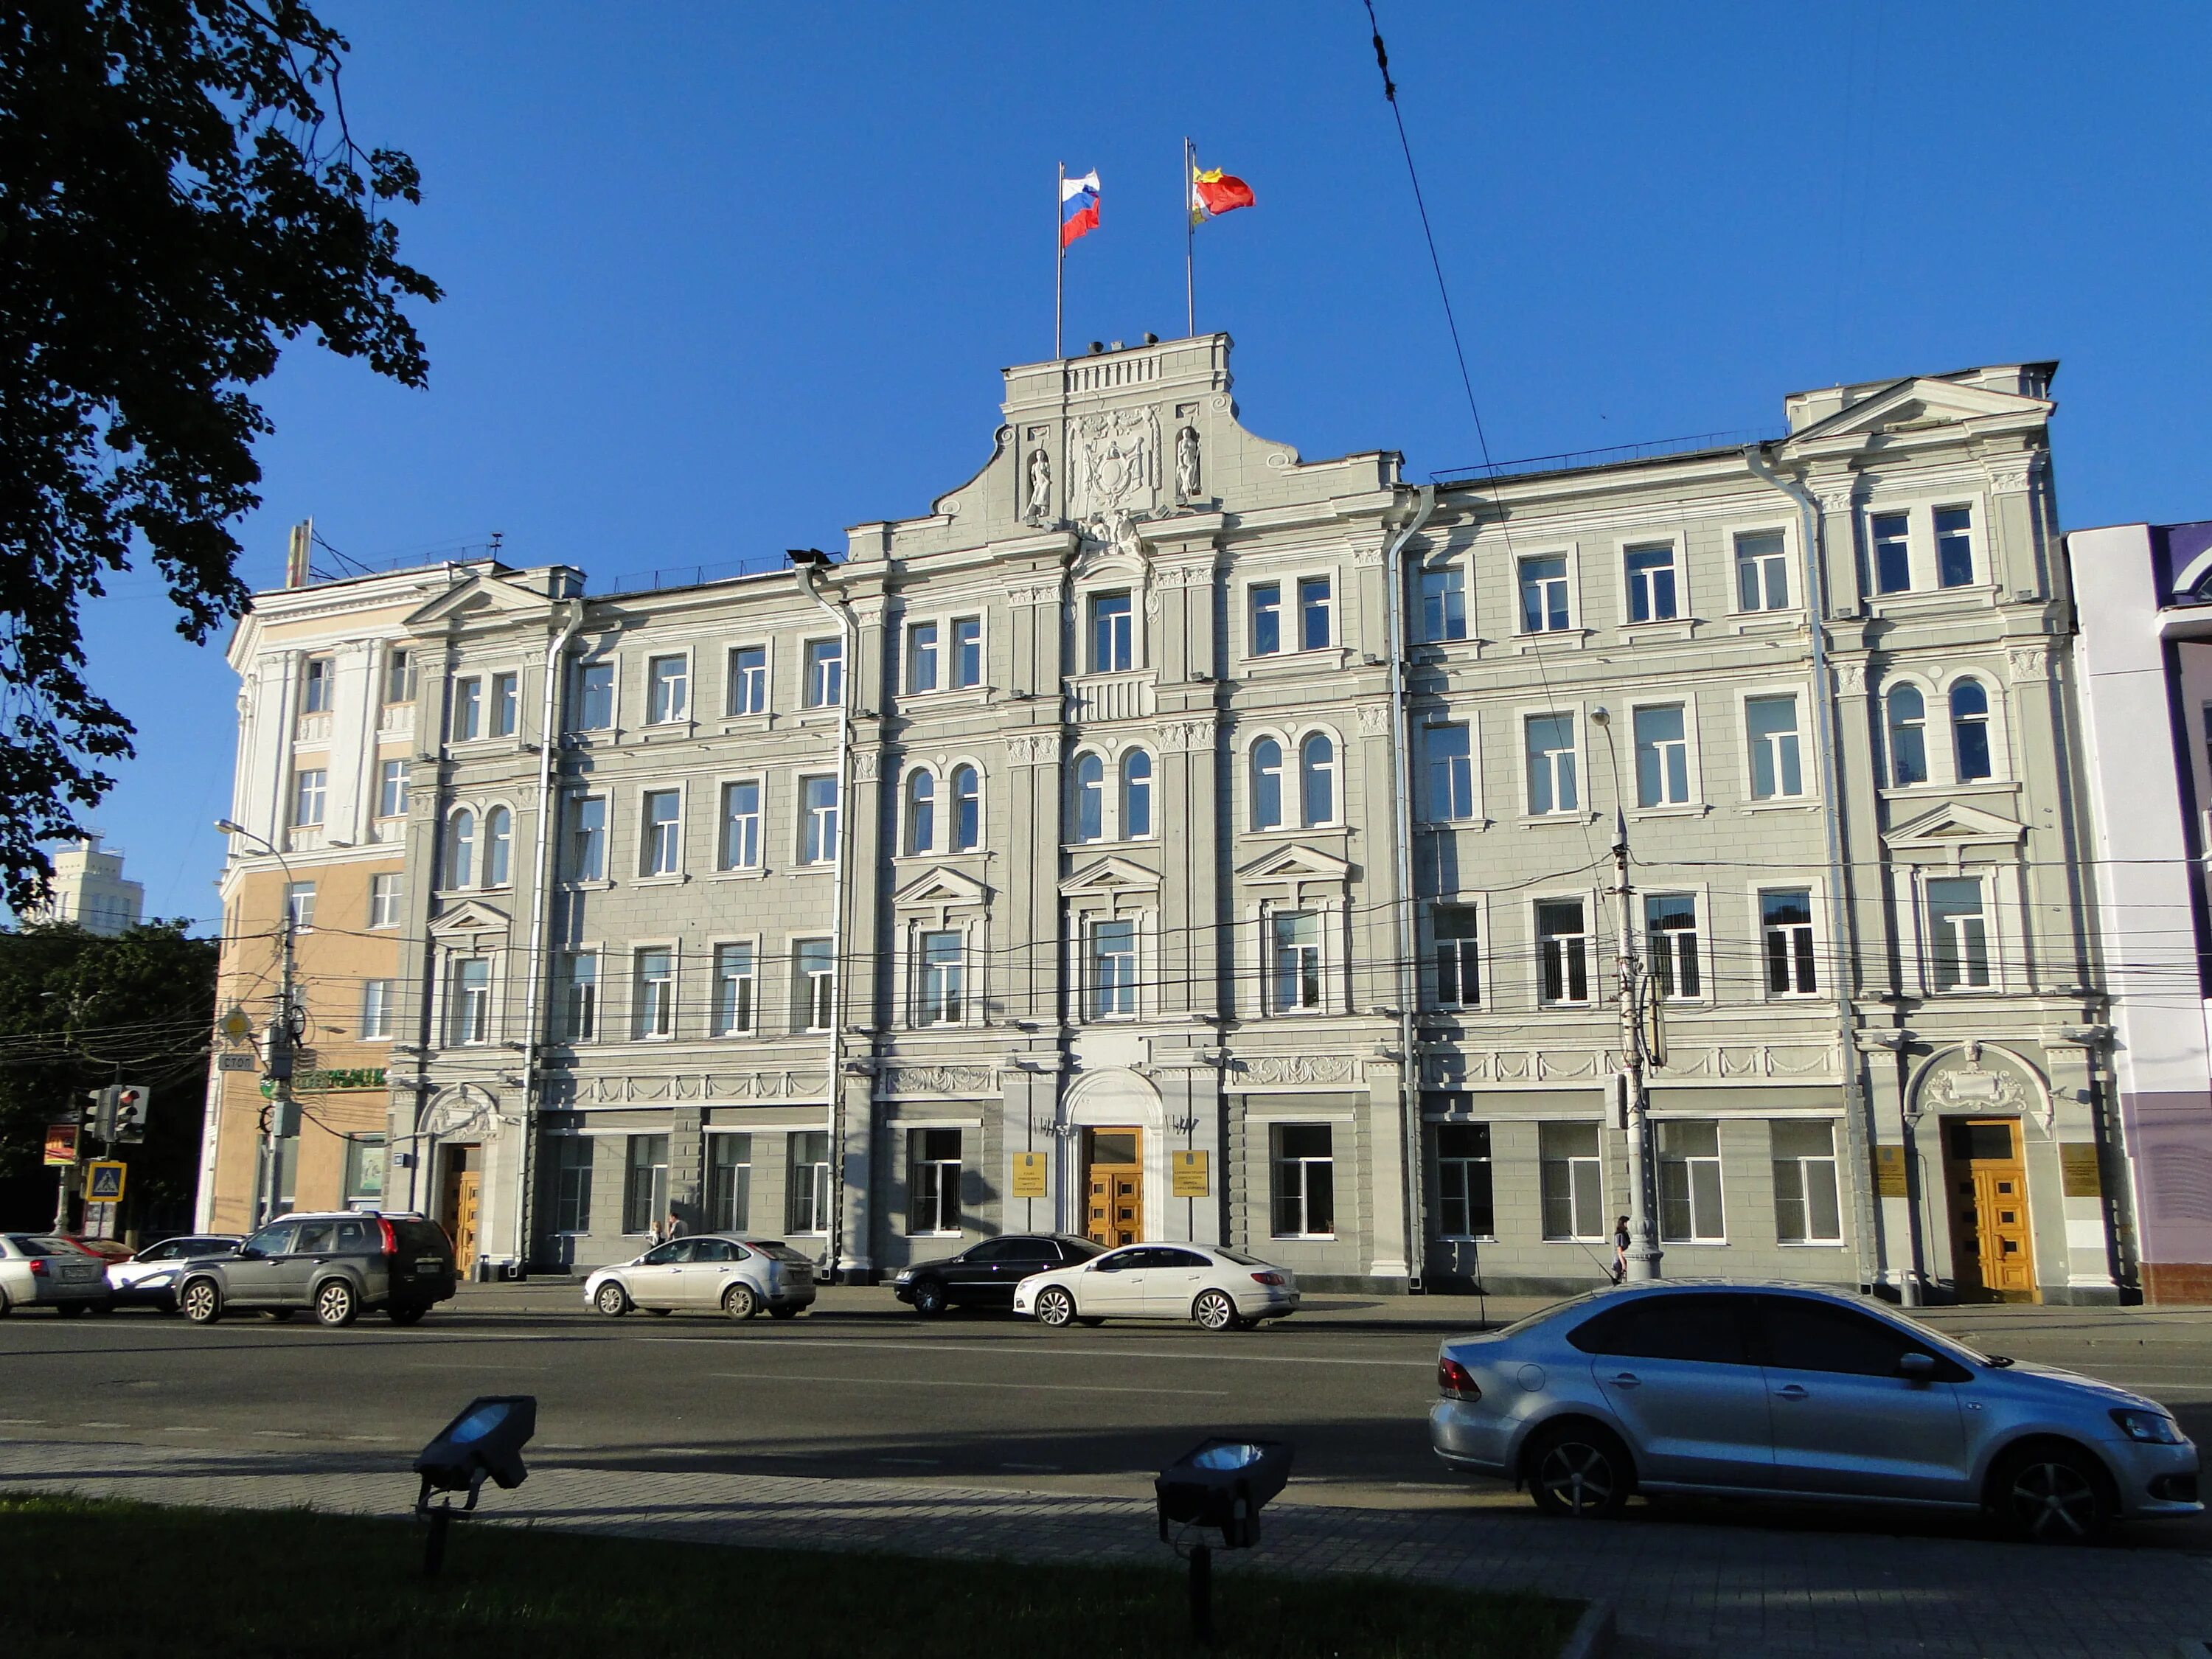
x,y
130,1102
103,1113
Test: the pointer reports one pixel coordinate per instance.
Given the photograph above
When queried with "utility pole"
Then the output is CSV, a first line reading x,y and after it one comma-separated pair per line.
x,y
279,1116
1644,1251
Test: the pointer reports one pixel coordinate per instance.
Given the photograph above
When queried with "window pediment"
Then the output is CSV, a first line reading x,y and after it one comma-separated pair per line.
x,y
1294,865
1108,876
1954,823
941,887
469,916
1915,403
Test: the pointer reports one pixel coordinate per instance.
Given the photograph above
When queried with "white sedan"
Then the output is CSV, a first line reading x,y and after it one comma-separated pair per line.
x,y
734,1273
1218,1290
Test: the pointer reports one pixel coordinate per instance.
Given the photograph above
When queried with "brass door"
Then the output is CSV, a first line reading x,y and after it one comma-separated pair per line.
x,y
1113,1182
1986,1181
457,1207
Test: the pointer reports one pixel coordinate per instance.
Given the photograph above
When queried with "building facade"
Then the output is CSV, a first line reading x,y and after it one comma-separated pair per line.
x,y
1165,836
90,891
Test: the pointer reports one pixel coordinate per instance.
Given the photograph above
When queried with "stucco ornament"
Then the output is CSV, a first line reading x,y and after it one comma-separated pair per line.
x,y
1116,463
940,1080
1187,477
1040,499
1117,531
1974,1086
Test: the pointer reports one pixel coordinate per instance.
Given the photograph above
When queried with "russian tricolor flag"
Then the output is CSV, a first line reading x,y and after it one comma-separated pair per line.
x,y
1079,207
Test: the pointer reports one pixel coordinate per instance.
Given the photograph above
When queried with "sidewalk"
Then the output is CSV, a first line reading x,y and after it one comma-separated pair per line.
x,y
1684,1588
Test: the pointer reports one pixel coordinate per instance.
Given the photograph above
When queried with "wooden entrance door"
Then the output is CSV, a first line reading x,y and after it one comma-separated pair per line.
x,y
456,1206
1986,1179
1113,1180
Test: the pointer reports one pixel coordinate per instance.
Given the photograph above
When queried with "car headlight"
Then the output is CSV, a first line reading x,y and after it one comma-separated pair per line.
x,y
905,1276
2152,1428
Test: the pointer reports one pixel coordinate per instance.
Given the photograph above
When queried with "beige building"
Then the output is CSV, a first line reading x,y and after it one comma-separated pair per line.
x,y
90,891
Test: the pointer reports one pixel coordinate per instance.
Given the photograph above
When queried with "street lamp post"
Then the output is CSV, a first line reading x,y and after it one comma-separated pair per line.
x,y
1644,1251
277,1065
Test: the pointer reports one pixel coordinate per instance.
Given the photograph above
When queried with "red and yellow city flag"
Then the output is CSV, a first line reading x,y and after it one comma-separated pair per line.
x,y
1214,193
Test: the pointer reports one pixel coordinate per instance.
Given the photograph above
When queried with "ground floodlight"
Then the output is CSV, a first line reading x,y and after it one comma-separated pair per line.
x,y
484,1442
1221,1484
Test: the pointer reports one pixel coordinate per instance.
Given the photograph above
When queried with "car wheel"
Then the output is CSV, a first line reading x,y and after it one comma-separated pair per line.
x,y
200,1300
2054,1494
405,1313
1578,1469
335,1304
611,1300
783,1312
929,1299
1214,1312
739,1302
7,1306
1054,1308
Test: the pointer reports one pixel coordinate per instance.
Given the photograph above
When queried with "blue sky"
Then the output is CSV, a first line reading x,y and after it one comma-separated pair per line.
x,y
722,280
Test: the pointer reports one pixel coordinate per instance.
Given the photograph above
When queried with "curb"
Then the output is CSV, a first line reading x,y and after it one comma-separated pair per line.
x,y
1593,1634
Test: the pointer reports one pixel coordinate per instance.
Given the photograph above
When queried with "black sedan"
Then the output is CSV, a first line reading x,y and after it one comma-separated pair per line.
x,y
984,1275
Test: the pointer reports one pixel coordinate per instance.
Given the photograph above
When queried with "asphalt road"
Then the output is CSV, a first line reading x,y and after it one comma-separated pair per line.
x,y
860,1387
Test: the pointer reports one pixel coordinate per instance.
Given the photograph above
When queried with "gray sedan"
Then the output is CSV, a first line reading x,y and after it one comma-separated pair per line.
x,y
37,1271
1784,1391
733,1273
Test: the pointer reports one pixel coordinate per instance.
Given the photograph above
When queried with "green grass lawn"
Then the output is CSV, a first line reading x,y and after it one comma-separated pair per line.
x,y
123,1580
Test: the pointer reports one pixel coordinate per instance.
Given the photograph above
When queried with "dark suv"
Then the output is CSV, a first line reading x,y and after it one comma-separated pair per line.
x,y
984,1275
337,1264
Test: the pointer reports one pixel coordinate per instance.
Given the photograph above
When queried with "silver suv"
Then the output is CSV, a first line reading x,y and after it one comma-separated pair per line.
x,y
1784,1391
336,1265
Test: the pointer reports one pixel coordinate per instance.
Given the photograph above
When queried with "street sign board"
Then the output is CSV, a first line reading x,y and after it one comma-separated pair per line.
x,y
103,1182
238,1063
61,1144
1028,1176
1188,1175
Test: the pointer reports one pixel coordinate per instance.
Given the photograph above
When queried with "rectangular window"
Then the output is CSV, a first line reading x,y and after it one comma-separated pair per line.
x,y
1785,924
1562,953
825,673
1463,1207
729,1183
1551,739
807,1209
468,710
309,789
1315,630
1762,572
932,1181
468,1018
817,820
364,1170
921,657
1543,595
1650,582
1113,968
1305,1180
814,985
1893,553
667,689
587,839
384,893
505,704
576,998
391,789
741,825
1296,942
1954,546
1770,730
1459,955
398,676
376,1007
1958,934
300,904
1444,603
660,839
967,652
733,989
1448,751
572,1183
1571,1180
1807,1208
1690,1182
1266,599
1662,756
941,969
1670,936
645,1192
1112,637
652,1001
595,697
319,680
748,687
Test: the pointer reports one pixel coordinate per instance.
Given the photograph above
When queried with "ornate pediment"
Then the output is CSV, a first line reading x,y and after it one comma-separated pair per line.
x,y
941,887
478,598
1110,875
1912,403
1953,823
1296,863
469,916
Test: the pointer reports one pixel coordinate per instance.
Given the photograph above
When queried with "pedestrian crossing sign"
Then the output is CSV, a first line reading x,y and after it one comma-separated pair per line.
x,y
103,1182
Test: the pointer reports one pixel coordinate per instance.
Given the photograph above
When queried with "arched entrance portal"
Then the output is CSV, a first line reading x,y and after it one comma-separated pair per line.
x,y
1119,1152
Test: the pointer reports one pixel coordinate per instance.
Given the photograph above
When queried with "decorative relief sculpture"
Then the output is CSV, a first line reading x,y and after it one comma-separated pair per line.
x,y
1116,463
1034,593
1299,1068
1033,749
1851,678
1374,719
1187,475
2029,662
703,1086
865,765
2009,478
1116,531
1187,737
940,1080
1040,498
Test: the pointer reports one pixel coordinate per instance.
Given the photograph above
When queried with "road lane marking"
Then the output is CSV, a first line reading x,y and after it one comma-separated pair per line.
x,y
94,1423
1055,1349
955,1383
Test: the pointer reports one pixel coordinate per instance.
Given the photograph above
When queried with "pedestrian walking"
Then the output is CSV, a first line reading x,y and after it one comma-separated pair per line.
x,y
674,1229
1620,1250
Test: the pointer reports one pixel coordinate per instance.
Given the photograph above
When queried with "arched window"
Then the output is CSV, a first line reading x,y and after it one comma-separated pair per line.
x,y
1090,799
920,811
1908,736
1136,794
461,849
499,832
967,810
1267,785
1317,780
1970,730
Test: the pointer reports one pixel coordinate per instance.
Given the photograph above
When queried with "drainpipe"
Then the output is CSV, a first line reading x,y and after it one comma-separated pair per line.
x,y
810,576
549,726
1401,826
1860,1110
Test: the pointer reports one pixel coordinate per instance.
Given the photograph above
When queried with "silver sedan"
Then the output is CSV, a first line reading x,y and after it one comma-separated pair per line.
x,y
1219,1290
149,1278
38,1271
731,1273
1786,1391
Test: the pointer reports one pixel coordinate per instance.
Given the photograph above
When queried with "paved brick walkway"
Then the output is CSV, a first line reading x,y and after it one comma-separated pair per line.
x,y
1681,1587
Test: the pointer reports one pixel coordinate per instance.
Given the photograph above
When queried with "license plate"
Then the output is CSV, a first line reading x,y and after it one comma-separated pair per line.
x,y
81,1274
429,1264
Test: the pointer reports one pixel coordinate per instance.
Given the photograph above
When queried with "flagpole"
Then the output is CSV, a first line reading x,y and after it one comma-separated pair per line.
x,y
1189,237
1058,263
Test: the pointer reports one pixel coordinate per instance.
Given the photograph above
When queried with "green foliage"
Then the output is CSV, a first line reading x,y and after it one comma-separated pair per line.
x,y
74,1008
175,204
306,1586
